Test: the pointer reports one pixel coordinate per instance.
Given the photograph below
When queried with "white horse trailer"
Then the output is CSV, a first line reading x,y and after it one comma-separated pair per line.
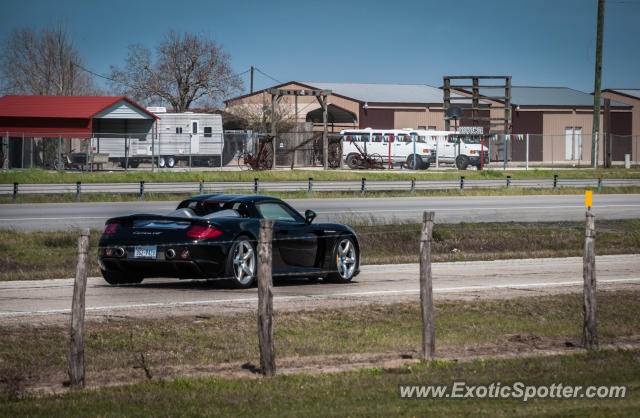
x,y
195,138
184,135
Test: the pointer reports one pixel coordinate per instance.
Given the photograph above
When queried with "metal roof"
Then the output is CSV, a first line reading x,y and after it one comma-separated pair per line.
x,y
629,92
384,93
545,96
63,107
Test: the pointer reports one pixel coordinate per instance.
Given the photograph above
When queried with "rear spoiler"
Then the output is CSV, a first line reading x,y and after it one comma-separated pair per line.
x,y
127,220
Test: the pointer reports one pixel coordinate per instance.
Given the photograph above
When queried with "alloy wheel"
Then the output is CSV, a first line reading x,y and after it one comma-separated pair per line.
x,y
244,263
346,258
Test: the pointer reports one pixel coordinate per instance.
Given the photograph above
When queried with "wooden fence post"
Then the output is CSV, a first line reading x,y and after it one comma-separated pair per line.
x,y
76,359
590,328
426,289
265,299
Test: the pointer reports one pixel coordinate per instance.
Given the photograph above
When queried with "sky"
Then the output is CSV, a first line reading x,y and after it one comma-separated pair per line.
x,y
537,42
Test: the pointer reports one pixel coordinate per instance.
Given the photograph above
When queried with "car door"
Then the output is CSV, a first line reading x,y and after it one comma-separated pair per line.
x,y
295,242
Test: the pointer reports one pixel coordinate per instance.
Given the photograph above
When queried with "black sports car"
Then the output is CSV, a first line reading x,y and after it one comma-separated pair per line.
x,y
215,236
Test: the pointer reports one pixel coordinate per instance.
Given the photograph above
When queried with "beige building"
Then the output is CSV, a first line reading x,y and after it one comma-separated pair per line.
x,y
367,105
558,120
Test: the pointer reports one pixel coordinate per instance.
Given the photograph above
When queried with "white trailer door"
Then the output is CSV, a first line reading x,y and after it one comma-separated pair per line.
x,y
195,137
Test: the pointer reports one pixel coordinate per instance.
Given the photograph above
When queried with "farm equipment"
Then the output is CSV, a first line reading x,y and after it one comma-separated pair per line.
x,y
261,160
364,160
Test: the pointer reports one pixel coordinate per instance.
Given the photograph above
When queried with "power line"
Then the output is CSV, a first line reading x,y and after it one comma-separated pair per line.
x,y
125,84
267,75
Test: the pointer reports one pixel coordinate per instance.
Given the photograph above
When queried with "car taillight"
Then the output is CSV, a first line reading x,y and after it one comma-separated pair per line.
x,y
199,231
110,229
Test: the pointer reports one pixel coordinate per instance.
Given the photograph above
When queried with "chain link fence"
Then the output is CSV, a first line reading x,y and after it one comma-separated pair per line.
x,y
117,151
301,147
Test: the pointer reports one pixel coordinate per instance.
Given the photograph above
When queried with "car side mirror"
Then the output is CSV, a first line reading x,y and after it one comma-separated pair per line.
x,y
309,216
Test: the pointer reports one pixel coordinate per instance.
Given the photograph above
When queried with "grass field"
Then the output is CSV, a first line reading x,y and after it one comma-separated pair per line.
x,y
29,353
49,255
44,176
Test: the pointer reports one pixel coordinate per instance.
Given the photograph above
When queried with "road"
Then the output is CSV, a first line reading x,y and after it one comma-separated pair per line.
x,y
289,186
22,300
60,216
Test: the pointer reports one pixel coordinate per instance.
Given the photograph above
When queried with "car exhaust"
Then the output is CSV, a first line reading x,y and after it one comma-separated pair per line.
x,y
120,252
170,253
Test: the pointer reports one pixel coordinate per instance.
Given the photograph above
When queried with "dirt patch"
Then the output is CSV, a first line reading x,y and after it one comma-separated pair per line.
x,y
517,346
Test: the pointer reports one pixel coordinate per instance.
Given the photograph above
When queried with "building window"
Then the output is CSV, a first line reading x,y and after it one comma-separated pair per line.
x,y
207,131
422,128
179,130
431,128
194,127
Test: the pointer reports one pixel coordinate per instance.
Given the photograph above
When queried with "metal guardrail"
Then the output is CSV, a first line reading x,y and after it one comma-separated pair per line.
x,y
293,186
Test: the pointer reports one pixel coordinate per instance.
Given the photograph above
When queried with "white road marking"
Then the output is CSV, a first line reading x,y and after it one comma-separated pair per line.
x,y
307,297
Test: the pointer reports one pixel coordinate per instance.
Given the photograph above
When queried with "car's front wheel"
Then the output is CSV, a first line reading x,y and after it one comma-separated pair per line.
x,y
241,263
116,278
346,259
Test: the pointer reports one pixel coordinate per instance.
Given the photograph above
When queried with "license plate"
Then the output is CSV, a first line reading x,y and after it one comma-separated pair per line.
x,y
145,251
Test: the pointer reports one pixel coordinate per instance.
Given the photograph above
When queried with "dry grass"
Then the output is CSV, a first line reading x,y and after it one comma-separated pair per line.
x,y
50,255
386,244
30,353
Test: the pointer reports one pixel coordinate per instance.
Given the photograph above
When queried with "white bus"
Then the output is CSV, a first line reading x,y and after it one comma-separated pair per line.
x,y
395,146
463,150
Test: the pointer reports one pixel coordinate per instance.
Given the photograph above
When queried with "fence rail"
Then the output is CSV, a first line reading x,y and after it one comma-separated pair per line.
x,y
309,186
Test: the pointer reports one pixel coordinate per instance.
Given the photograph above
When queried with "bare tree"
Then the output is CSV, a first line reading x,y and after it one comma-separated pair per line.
x,y
43,63
257,117
187,69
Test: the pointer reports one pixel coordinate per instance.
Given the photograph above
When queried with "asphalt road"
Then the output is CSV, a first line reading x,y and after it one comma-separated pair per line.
x,y
20,300
62,216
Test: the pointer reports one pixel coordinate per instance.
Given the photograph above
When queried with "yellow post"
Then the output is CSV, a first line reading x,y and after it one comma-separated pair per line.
x,y
588,199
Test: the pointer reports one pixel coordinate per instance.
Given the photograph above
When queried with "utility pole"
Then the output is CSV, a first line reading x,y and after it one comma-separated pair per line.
x,y
596,90
252,79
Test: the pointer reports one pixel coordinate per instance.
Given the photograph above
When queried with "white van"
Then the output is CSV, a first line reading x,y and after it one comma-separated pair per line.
x,y
454,148
395,146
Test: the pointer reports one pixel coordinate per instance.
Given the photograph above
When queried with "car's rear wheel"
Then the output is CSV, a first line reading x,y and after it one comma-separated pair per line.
x,y
116,278
346,259
241,263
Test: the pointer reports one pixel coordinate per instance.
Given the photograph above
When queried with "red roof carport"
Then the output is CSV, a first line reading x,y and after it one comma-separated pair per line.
x,y
55,115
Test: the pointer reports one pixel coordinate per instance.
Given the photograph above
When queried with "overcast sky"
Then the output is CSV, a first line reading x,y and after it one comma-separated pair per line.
x,y
540,43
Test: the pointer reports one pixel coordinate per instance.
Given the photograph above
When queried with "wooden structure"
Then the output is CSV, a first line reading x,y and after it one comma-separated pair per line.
x,y
321,96
502,124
